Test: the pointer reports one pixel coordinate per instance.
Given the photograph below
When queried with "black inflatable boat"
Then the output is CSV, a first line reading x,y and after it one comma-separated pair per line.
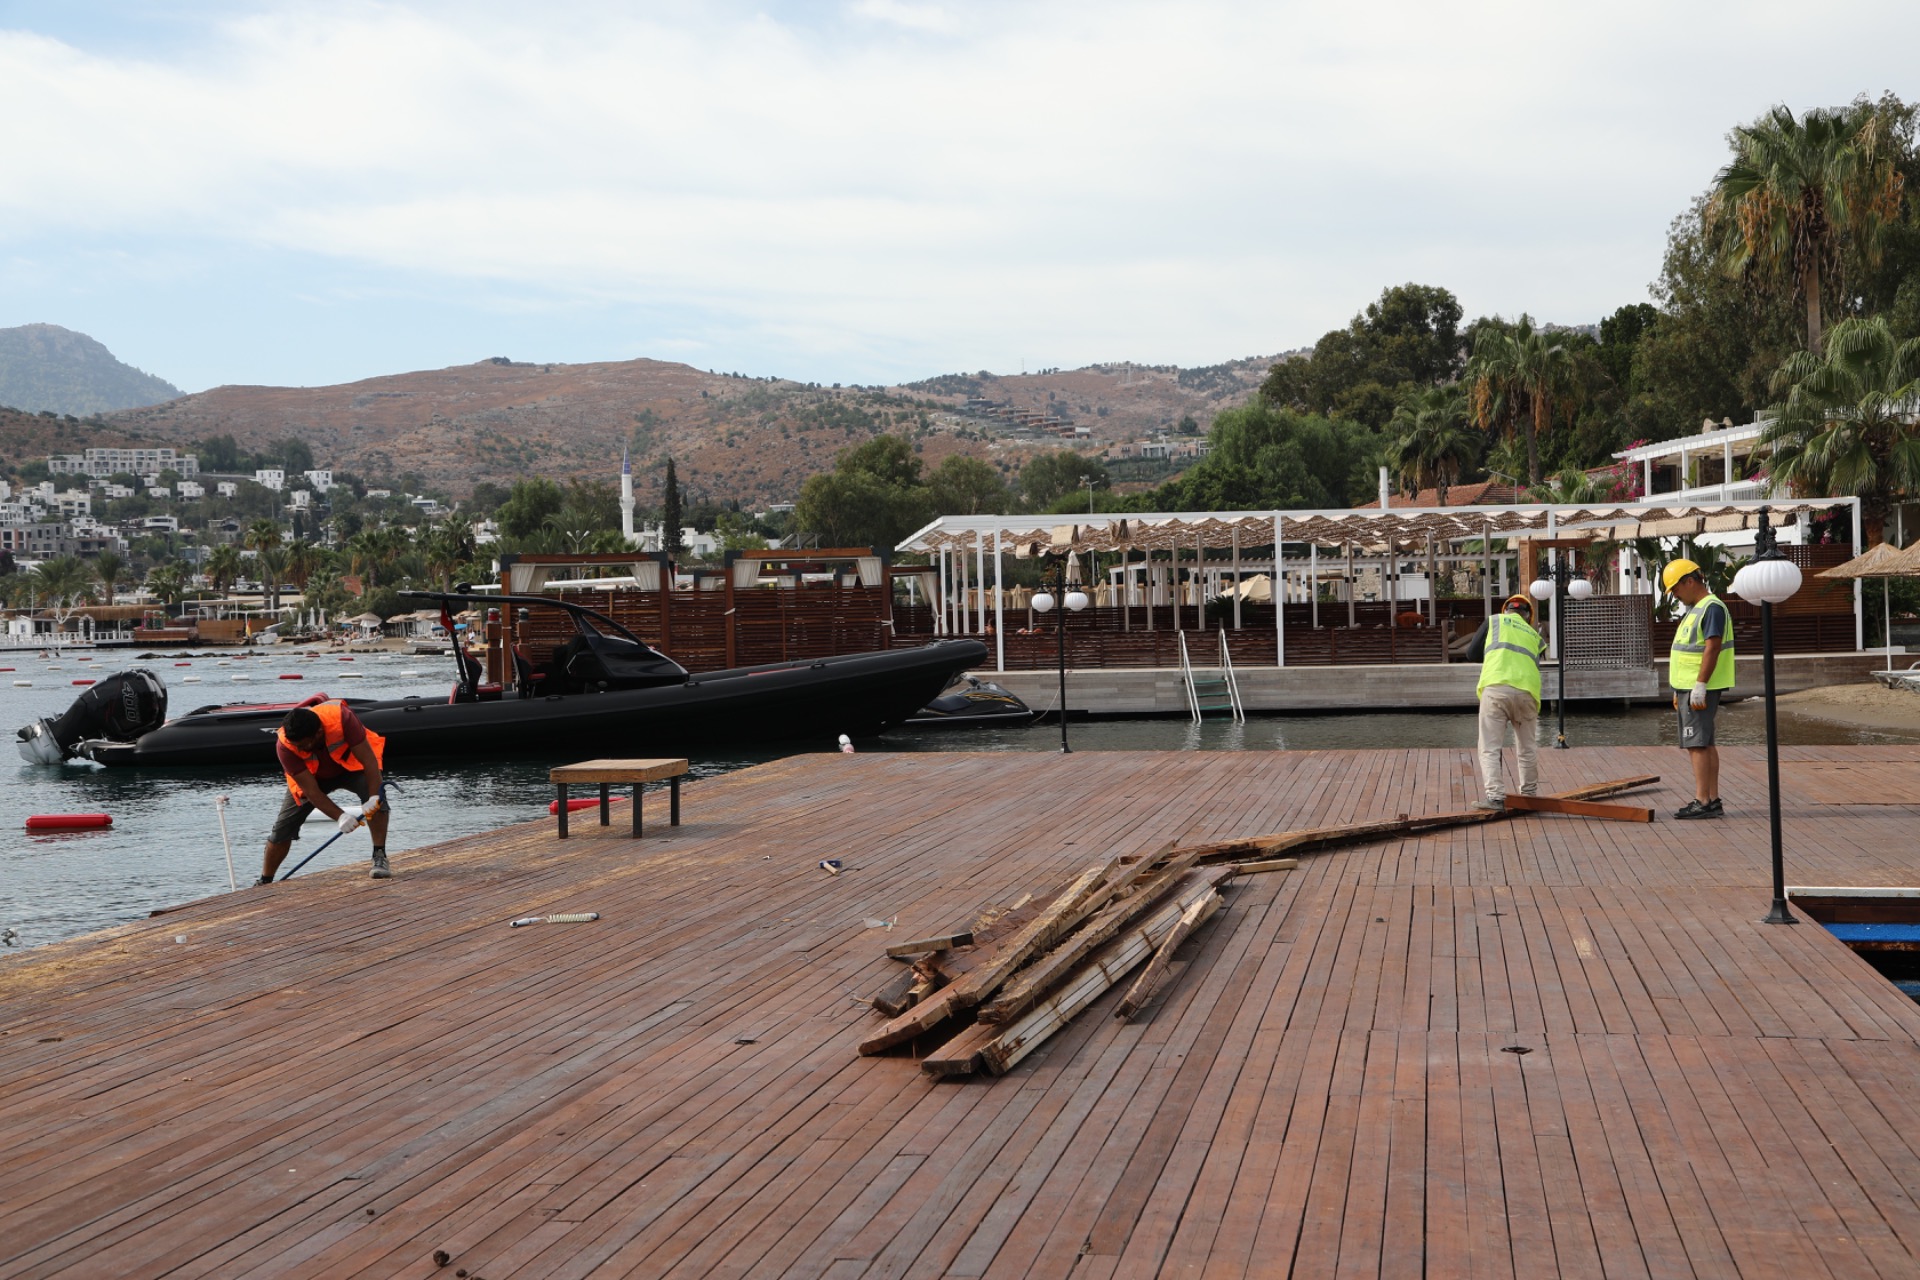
x,y
605,691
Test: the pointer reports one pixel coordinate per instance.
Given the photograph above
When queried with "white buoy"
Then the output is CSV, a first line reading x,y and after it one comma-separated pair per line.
x,y
23,684
351,675
238,679
409,675
189,679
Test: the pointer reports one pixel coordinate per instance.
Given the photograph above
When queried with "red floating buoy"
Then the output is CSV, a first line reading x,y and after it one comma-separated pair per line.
x,y
68,821
83,682
183,664
293,675
575,806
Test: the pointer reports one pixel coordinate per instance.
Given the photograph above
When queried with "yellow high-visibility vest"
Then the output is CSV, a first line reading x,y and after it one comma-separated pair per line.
x,y
1512,656
1683,660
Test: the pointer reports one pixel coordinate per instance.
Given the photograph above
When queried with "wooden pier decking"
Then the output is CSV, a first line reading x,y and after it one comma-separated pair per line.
x,y
1544,1046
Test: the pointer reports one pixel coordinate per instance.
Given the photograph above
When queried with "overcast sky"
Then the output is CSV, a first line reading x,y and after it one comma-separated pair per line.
x,y
869,191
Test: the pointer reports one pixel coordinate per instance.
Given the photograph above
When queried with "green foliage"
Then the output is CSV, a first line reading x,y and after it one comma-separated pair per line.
x,y
1434,445
1520,380
1847,423
386,602
1409,337
528,506
872,497
1265,457
1051,477
1801,194
670,525
965,486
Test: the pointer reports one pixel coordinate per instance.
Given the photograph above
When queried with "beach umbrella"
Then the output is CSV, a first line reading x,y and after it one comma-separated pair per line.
x,y
1884,562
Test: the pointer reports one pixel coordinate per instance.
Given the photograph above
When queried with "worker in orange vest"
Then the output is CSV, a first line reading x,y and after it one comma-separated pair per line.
x,y
323,748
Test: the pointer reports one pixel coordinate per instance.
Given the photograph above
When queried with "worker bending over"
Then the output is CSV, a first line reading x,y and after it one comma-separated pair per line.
x,y
1700,667
323,748
1508,649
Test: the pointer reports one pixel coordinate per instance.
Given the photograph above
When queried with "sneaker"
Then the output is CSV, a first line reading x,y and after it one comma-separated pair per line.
x,y
1691,809
1496,805
1712,809
381,871
262,880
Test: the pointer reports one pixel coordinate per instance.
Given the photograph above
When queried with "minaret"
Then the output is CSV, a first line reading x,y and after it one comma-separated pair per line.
x,y
626,497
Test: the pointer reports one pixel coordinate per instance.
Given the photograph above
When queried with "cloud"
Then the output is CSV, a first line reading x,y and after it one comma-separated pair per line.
x,y
919,186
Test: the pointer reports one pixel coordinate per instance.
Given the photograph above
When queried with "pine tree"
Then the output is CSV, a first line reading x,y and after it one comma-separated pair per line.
x,y
670,513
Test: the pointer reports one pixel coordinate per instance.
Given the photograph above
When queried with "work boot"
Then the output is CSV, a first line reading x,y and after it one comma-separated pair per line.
x,y
1691,809
381,871
1497,804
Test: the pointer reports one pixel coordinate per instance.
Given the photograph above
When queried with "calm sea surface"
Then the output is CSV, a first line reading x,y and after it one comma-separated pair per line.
x,y
165,844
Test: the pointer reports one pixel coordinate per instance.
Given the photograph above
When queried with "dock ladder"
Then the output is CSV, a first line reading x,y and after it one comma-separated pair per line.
x,y
1212,694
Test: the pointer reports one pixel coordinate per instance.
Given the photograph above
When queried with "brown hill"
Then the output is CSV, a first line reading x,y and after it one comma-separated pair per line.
x,y
731,437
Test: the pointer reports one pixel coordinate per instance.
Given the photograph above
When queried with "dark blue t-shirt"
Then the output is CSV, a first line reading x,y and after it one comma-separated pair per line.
x,y
1713,622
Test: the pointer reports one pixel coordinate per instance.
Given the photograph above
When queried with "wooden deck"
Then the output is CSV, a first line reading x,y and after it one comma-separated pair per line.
x,y
1548,1046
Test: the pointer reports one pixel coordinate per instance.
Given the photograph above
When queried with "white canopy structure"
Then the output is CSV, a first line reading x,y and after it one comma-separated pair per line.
x,y
1177,549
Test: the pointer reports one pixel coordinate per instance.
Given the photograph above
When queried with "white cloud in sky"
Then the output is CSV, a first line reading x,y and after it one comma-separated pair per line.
x,y
883,189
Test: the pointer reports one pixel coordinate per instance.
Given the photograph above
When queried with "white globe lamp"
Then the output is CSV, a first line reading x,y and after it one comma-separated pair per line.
x,y
1541,589
1077,600
1043,602
1580,589
1766,581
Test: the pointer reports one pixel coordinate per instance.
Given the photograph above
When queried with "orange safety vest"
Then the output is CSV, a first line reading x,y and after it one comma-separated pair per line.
x,y
335,744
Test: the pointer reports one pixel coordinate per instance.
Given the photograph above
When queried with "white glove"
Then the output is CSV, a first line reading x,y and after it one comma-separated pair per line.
x,y
1698,698
351,816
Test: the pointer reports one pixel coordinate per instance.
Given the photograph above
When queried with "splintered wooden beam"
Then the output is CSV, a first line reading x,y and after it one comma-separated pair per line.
x,y
1268,864
1580,808
896,997
1148,983
989,967
1086,984
920,946
1026,988
960,1056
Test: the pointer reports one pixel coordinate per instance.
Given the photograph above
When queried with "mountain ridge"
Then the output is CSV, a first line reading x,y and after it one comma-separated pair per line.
x,y
48,367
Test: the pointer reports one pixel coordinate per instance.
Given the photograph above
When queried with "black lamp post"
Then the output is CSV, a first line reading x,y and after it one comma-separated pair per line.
x,y
1075,600
1559,582
1767,579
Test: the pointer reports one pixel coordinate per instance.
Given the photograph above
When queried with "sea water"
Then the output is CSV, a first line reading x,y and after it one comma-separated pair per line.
x,y
165,845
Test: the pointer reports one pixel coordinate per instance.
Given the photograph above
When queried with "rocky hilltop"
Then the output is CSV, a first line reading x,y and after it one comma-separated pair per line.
x,y
731,437
45,367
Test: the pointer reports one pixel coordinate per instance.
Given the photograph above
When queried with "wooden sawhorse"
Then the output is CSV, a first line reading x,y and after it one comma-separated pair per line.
x,y
607,773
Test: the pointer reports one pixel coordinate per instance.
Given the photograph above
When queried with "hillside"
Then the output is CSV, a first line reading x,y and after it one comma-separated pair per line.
x,y
730,437
43,366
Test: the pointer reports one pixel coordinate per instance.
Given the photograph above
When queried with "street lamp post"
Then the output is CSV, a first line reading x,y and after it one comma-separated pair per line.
x,y
1766,580
1043,602
1560,581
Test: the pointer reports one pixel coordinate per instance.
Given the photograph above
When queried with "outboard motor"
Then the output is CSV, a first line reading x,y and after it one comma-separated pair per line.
x,y
119,708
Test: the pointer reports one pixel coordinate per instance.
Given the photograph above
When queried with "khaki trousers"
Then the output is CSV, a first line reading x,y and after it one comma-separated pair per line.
x,y
1502,705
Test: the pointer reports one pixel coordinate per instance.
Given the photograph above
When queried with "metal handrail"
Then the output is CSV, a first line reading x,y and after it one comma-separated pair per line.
x,y
1186,678
1233,679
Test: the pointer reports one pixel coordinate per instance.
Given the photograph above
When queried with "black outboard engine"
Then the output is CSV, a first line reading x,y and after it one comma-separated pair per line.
x,y
120,708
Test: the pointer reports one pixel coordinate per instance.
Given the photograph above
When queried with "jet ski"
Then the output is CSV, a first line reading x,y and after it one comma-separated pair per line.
x,y
605,691
973,701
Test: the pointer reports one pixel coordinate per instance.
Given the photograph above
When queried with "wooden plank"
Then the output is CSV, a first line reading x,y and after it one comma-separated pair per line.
x,y
944,942
1579,808
1085,985
1147,985
1267,864
1025,988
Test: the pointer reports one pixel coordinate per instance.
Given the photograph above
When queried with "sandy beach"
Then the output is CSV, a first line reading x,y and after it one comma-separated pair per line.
x,y
1867,705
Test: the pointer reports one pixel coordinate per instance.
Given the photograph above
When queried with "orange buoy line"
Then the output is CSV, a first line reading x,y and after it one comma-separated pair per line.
x,y
83,682
68,821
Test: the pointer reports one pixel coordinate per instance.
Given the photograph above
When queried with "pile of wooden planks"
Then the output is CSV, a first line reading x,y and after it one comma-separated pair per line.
x,y
1022,972
994,992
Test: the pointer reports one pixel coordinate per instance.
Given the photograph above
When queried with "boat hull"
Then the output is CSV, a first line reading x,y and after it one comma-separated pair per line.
x,y
855,694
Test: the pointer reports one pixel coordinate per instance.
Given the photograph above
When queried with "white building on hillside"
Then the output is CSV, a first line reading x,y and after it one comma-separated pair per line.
x,y
273,478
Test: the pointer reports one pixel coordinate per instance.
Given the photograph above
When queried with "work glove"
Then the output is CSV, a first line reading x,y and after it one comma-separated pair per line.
x,y
351,816
1698,698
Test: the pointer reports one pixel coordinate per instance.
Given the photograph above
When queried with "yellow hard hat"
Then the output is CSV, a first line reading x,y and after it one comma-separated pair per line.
x,y
1519,599
1676,570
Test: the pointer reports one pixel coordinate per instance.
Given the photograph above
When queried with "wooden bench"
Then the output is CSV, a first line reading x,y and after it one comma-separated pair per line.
x,y
608,772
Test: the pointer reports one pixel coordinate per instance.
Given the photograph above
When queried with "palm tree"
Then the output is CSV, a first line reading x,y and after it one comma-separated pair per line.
x,y
448,547
262,535
1518,381
169,581
273,571
1797,188
223,567
61,585
1435,443
303,559
1850,422
111,570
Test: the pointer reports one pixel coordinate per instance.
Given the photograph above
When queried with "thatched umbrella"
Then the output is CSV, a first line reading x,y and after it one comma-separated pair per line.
x,y
1885,562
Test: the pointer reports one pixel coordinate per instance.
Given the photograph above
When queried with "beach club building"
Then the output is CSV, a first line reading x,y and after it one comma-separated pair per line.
x,y
1393,594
